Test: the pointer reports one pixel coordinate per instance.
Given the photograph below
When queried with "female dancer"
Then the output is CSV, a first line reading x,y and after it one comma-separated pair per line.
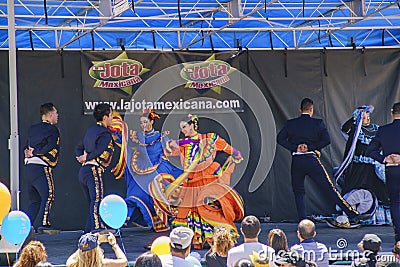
x,y
147,161
358,169
201,197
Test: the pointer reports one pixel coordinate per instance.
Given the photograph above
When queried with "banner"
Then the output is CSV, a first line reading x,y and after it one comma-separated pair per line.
x,y
165,83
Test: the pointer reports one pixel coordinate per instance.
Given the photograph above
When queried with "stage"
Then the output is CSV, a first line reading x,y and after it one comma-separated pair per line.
x,y
338,241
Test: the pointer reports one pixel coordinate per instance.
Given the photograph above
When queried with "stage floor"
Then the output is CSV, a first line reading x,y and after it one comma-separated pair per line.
x,y
60,246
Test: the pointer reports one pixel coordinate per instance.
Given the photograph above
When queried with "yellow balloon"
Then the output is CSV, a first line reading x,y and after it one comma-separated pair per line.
x,y
5,201
160,246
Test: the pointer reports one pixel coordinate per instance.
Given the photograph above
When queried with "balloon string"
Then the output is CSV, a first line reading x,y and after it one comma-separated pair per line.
x,y
122,242
8,259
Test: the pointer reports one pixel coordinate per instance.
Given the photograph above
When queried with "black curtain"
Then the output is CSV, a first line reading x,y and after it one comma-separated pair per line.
x,y
338,81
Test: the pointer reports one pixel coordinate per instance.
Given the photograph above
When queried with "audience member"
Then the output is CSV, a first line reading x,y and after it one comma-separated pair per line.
x,y
44,264
396,251
90,254
244,263
148,259
291,258
221,244
33,253
250,228
277,240
392,264
314,251
181,238
369,245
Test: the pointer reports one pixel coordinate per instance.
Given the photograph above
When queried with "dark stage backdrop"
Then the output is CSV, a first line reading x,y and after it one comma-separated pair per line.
x,y
337,81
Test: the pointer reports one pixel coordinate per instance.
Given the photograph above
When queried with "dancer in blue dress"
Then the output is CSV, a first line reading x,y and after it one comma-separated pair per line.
x,y
146,160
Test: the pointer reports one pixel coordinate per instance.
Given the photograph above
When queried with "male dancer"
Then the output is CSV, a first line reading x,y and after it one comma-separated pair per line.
x,y
95,153
41,156
387,140
304,137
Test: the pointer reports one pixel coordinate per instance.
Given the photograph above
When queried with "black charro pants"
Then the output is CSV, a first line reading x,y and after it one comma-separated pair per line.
x,y
39,180
309,164
91,181
393,186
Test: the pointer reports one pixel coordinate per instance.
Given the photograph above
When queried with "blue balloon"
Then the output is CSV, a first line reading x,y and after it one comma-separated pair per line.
x,y
16,227
113,211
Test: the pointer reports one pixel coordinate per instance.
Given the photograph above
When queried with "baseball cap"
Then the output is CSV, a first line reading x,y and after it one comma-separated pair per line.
x,y
88,242
181,237
371,242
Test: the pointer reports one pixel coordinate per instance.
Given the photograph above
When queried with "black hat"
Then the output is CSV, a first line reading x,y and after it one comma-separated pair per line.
x,y
371,242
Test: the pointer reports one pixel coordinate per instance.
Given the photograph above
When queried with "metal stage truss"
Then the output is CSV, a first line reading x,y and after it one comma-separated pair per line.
x,y
202,24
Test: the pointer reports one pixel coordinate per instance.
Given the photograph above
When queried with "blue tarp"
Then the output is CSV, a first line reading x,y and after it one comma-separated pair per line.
x,y
148,24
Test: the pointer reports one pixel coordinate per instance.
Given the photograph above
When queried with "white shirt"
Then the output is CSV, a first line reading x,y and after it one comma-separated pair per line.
x,y
244,251
167,260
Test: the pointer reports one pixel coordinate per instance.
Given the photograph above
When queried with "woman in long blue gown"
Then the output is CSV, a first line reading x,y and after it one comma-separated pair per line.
x,y
146,159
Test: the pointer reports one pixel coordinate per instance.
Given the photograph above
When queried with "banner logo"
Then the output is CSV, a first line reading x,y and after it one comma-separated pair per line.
x,y
120,72
210,73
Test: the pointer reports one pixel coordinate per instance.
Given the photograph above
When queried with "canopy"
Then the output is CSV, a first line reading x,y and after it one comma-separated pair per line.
x,y
205,24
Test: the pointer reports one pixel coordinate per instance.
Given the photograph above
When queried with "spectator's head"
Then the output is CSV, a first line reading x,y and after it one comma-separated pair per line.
x,y
277,240
103,112
306,230
289,259
396,109
307,106
392,264
396,250
244,263
222,241
49,113
250,227
33,253
371,242
148,259
89,251
181,238
88,242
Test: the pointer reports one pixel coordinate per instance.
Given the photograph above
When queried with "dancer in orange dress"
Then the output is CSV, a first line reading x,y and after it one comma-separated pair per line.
x,y
201,198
